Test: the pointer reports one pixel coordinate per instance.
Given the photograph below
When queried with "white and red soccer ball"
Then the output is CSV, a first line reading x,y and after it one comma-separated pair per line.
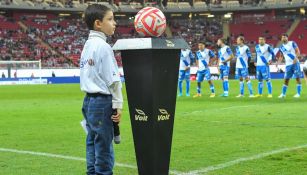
x,y
150,21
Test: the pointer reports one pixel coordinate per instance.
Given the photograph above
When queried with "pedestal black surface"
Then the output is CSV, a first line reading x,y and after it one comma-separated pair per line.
x,y
151,75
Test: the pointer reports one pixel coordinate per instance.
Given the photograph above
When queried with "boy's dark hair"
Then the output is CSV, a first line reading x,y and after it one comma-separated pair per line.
x,y
94,12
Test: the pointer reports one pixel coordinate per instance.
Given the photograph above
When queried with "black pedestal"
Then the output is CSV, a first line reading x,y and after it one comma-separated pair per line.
x,y
151,75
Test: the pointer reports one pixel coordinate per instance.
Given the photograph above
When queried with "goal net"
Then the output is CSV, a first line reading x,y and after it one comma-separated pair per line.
x,y
21,72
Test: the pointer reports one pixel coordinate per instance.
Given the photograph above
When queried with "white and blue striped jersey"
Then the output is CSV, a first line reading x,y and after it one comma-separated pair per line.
x,y
264,54
224,54
185,59
288,51
243,54
203,58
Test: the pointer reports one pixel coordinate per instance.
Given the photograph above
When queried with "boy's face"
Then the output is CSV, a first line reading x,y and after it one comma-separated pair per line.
x,y
107,25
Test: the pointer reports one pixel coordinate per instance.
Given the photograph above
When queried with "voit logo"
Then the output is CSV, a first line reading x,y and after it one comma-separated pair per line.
x,y
164,115
140,116
169,43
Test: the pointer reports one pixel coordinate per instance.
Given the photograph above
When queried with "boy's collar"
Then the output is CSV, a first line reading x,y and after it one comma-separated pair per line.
x,y
94,33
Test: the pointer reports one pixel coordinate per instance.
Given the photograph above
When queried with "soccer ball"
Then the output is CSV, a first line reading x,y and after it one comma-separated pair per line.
x,y
150,21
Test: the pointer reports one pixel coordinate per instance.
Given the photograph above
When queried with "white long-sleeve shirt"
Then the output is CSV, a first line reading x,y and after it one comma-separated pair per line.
x,y
98,69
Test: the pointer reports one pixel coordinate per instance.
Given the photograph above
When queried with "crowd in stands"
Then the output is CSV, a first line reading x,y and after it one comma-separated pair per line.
x,y
58,41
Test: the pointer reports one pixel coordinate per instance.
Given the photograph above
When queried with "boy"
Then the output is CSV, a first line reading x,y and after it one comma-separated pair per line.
x,y
99,79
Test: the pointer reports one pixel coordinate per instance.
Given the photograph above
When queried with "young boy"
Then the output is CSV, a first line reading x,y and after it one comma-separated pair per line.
x,y
99,79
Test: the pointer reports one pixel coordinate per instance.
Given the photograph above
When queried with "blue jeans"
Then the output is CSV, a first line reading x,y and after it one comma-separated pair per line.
x,y
97,112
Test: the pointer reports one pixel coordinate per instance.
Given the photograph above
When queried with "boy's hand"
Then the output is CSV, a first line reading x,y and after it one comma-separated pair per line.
x,y
117,117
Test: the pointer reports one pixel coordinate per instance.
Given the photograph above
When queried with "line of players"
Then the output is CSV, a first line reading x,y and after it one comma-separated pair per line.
x,y
264,56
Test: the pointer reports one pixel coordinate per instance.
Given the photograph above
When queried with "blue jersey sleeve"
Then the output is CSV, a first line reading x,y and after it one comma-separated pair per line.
x,y
228,50
271,51
255,60
191,55
211,54
248,53
197,55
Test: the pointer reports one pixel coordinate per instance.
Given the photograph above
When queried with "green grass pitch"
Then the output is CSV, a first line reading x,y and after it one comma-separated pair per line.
x,y
232,136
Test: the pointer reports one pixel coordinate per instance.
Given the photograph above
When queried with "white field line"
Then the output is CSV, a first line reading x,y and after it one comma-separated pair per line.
x,y
67,157
241,160
215,109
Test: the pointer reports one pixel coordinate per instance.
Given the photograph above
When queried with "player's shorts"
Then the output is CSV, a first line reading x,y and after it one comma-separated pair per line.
x,y
241,72
184,75
224,71
263,73
293,71
203,74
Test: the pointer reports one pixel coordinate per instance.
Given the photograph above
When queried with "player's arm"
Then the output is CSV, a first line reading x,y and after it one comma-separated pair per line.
x,y
212,57
271,51
230,57
249,55
297,53
192,57
255,59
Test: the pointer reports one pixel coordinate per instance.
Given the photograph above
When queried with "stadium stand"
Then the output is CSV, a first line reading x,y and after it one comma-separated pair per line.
x,y
46,35
299,35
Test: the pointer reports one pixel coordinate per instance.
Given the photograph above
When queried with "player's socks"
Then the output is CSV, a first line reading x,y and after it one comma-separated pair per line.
x,y
284,89
188,89
180,86
226,86
241,87
269,84
299,89
250,87
212,89
260,88
198,90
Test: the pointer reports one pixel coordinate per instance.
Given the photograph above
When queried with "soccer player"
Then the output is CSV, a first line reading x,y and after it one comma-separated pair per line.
x,y
225,55
100,80
184,70
291,54
243,55
264,56
203,57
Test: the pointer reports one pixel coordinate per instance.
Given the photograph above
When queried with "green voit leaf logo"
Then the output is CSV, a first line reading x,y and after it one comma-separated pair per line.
x,y
164,115
140,115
